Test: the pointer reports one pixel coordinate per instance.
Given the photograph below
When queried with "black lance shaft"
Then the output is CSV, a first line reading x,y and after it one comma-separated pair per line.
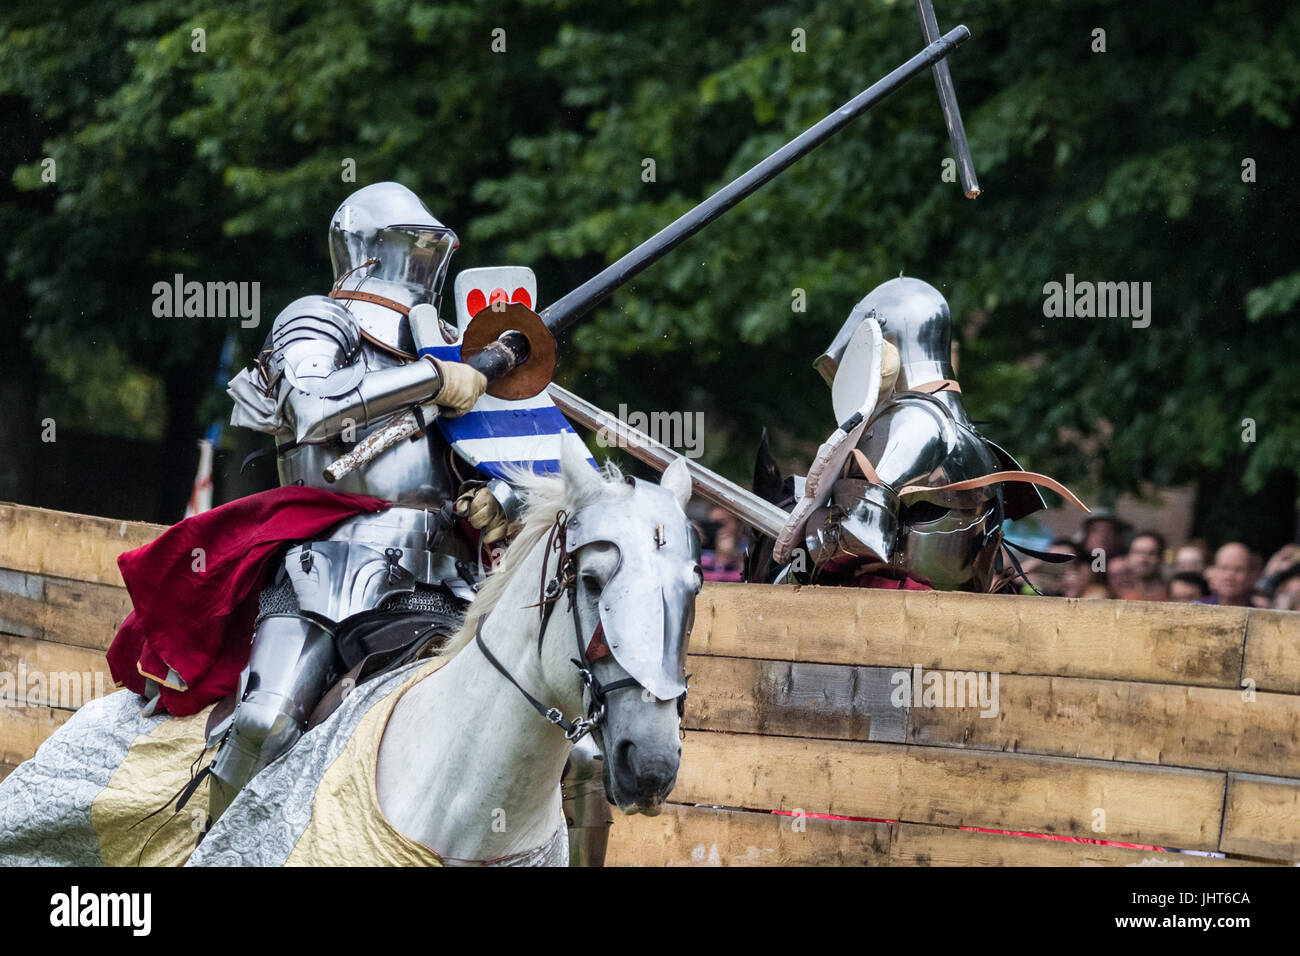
x,y
511,347
564,312
948,100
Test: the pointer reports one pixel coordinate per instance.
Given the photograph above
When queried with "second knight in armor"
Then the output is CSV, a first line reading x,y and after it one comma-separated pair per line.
x,y
907,486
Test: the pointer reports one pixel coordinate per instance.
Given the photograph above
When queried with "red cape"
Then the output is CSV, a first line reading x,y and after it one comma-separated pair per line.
x,y
195,590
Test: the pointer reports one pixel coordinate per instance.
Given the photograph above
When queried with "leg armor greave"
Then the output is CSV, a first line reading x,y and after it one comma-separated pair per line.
x,y
291,661
585,808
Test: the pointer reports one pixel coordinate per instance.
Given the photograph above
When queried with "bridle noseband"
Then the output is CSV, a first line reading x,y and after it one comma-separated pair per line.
x,y
564,582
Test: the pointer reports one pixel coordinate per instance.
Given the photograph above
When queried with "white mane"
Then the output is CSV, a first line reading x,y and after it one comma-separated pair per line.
x,y
544,496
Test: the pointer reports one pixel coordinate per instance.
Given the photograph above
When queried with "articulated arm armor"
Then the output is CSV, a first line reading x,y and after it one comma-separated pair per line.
x,y
320,387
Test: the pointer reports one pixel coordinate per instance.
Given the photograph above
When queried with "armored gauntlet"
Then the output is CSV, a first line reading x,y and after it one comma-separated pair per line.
x,y
461,387
483,511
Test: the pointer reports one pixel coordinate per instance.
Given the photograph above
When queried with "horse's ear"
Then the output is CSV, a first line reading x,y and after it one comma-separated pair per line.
x,y
581,478
677,479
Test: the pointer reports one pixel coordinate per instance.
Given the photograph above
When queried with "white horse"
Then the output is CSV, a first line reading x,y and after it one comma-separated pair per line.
x,y
453,760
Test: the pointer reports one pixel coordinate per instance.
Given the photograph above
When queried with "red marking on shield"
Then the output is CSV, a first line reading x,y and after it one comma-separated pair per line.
x,y
521,295
498,295
475,302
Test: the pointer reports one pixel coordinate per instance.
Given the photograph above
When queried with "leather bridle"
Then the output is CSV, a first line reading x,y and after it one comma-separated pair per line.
x,y
565,582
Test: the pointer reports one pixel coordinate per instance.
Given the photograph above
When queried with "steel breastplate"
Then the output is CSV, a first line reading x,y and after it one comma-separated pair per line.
x,y
414,473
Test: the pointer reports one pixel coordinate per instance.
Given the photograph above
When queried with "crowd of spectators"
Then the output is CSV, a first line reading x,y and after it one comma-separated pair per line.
x,y
1107,560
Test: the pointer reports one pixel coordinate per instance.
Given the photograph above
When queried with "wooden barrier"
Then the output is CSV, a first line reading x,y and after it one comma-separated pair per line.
x,y
931,719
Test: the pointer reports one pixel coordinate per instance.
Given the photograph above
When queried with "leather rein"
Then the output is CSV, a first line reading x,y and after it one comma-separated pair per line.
x,y
564,582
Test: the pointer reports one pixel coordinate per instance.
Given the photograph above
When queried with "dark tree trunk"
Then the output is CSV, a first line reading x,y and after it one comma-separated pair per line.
x,y
20,430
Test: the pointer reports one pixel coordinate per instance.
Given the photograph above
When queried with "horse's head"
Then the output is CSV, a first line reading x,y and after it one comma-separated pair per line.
x,y
635,560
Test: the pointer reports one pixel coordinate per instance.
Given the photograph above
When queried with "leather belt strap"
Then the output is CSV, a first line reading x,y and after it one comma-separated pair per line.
x,y
596,647
371,297
1028,477
572,729
938,385
865,467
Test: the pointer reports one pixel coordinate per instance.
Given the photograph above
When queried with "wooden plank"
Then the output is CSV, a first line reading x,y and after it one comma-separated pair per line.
x,y
66,545
23,729
1165,724
1150,805
793,699
1263,817
22,600
1121,640
1272,658
58,675
62,610
918,845
703,836
6,769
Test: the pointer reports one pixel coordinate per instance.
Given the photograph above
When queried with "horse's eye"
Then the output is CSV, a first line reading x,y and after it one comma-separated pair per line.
x,y
591,582
699,577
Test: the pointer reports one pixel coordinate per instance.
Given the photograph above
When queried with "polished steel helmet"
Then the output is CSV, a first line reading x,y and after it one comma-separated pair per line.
x,y
385,242
915,319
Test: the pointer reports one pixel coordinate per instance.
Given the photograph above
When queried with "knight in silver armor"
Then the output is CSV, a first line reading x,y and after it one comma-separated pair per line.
x,y
916,495
335,369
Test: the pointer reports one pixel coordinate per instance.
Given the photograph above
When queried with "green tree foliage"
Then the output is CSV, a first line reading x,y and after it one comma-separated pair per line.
x,y
1123,165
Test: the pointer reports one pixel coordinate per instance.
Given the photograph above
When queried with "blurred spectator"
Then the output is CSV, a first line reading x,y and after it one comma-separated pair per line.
x,y
1286,594
1090,584
1119,575
1188,587
1146,554
1072,576
1193,557
1103,531
1278,567
1231,578
1101,540
1209,575
1254,566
